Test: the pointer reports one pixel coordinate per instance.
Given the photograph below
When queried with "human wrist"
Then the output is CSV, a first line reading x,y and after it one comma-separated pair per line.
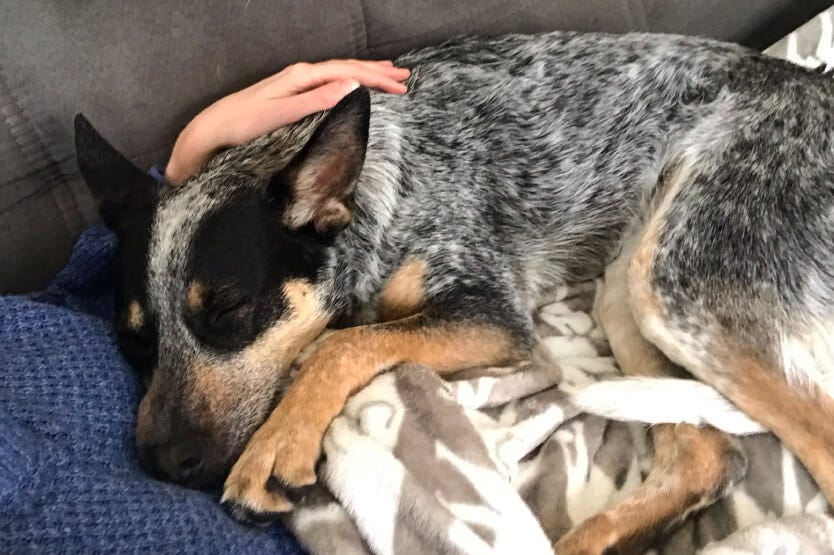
x,y
194,145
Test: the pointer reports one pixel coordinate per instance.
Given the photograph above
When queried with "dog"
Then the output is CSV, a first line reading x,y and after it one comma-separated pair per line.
x,y
697,177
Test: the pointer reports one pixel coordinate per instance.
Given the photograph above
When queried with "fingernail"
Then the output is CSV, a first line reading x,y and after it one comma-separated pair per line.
x,y
352,86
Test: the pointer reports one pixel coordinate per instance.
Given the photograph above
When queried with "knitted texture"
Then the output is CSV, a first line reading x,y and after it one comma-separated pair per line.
x,y
69,476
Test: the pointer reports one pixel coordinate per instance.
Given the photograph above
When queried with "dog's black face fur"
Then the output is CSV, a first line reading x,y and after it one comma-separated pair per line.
x,y
214,345
242,257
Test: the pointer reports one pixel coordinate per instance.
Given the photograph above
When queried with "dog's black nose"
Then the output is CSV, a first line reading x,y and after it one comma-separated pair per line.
x,y
187,470
181,462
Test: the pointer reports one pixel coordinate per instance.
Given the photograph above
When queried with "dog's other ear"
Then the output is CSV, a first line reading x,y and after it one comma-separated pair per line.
x,y
320,180
116,184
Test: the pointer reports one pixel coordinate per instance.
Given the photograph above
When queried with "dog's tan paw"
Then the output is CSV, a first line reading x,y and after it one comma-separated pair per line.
x,y
270,475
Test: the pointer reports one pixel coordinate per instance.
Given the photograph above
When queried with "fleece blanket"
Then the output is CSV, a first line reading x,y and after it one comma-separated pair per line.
x,y
69,477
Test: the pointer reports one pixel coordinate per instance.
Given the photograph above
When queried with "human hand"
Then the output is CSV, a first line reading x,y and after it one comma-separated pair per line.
x,y
284,98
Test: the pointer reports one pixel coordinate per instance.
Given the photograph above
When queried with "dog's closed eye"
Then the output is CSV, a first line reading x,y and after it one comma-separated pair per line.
x,y
222,317
226,310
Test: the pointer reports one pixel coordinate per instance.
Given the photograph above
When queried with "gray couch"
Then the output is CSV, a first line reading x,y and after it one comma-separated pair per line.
x,y
140,70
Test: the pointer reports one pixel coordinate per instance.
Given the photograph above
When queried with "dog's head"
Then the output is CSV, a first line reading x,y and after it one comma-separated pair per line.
x,y
216,280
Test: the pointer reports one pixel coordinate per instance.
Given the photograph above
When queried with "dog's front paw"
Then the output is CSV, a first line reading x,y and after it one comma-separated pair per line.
x,y
274,471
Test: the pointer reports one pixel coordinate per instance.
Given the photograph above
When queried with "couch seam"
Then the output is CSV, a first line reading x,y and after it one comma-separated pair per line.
x,y
363,50
637,15
23,133
520,6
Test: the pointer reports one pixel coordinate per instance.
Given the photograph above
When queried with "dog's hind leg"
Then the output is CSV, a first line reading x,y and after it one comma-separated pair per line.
x,y
757,328
692,466
798,410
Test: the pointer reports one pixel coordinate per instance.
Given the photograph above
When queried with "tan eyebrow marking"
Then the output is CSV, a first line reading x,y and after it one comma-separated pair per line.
x,y
196,294
135,316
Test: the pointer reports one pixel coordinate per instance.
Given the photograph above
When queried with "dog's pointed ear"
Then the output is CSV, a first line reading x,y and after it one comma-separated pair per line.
x,y
319,181
116,184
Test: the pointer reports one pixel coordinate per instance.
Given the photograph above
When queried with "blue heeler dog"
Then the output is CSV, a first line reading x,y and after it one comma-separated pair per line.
x,y
697,176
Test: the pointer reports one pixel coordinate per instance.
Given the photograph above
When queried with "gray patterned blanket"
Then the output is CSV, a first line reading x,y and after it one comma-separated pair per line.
x,y
503,459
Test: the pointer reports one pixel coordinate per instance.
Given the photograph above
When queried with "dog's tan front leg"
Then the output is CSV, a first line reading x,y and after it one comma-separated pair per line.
x,y
282,454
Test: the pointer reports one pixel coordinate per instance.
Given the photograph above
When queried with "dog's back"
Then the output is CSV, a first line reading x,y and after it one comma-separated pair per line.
x,y
523,159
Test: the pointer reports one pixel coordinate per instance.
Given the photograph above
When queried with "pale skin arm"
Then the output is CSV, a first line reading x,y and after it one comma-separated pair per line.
x,y
284,98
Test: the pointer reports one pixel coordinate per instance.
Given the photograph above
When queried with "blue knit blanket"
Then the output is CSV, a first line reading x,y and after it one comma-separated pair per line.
x,y
69,477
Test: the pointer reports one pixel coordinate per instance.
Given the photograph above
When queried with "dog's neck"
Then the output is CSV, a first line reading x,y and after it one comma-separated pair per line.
x,y
364,254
